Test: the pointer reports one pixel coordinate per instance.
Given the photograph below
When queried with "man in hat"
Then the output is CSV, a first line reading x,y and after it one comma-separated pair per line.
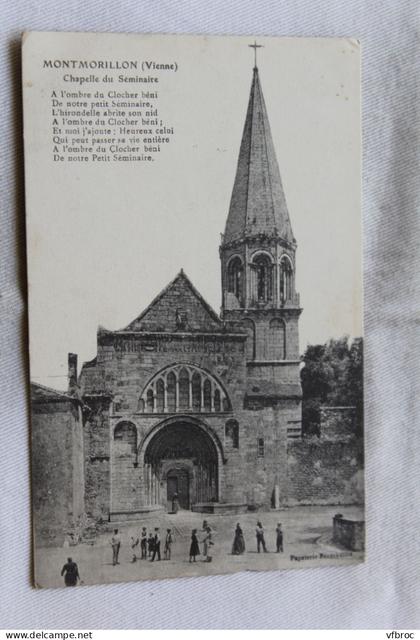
x,y
259,532
143,543
279,538
70,572
168,544
156,544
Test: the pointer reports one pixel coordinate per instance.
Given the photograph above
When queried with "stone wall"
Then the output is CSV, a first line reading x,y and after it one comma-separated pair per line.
x,y
57,468
97,459
325,472
349,533
244,475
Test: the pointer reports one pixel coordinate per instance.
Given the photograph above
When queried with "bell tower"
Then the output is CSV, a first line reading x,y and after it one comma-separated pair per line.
x,y
258,253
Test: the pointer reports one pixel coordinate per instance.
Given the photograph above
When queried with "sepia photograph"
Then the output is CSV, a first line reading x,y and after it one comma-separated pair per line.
x,y
194,251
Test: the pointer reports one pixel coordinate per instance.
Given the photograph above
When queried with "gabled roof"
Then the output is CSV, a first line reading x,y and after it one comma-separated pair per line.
x,y
258,204
40,393
178,307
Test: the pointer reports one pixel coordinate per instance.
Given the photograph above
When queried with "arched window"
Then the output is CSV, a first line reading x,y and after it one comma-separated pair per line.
x,y
184,390
196,392
263,278
181,388
171,392
232,433
234,277
276,340
160,395
217,405
126,434
150,401
286,279
207,395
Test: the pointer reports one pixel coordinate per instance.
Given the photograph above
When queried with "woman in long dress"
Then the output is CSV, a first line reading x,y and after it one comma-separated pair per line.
x,y
194,548
238,546
175,503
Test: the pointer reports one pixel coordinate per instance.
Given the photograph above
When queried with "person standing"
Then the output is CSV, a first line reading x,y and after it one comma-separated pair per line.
x,y
207,545
150,544
116,545
194,547
279,538
143,543
175,503
70,572
259,531
238,546
156,545
134,544
168,544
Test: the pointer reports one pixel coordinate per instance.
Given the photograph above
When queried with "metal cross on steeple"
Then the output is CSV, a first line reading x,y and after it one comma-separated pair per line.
x,y
255,46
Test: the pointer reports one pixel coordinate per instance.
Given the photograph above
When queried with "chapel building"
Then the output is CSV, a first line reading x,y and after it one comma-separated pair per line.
x,y
183,400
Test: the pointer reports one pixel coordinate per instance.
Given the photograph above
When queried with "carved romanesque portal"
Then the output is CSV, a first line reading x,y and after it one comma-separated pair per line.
x,y
181,457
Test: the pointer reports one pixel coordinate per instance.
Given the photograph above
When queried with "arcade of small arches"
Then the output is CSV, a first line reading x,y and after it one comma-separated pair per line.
x,y
184,388
264,273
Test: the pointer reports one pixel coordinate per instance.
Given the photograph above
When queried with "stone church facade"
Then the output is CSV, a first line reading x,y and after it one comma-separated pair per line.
x,y
183,400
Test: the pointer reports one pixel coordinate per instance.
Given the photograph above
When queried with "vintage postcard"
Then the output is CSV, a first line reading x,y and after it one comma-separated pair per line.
x,y
195,304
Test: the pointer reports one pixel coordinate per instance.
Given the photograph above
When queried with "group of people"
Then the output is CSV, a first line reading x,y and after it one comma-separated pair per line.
x,y
260,535
207,542
238,546
148,546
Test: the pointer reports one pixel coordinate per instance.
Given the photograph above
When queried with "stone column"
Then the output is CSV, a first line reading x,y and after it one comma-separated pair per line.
x,y
165,397
177,395
190,394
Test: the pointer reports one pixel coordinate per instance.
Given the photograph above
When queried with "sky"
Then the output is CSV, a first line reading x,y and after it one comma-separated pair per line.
x,y
103,239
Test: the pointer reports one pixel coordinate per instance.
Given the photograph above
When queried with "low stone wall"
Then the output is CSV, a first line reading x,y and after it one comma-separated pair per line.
x,y
349,533
325,472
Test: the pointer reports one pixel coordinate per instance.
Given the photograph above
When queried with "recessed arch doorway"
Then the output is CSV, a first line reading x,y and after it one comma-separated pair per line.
x,y
181,456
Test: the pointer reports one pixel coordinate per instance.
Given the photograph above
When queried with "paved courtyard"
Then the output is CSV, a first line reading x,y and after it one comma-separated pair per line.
x,y
307,543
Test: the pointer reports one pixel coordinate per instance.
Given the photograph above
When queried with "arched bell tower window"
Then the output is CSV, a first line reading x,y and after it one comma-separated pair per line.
x,y
286,279
263,278
235,277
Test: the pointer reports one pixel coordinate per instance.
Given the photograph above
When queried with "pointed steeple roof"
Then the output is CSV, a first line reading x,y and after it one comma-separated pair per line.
x,y
258,204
